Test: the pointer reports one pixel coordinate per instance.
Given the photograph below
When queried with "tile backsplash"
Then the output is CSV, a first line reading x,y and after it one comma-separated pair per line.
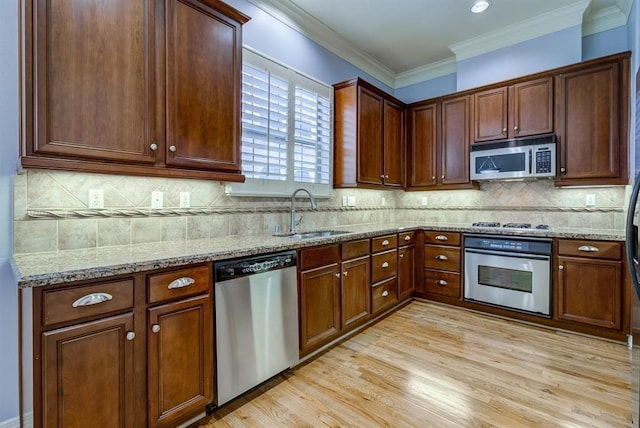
x,y
51,209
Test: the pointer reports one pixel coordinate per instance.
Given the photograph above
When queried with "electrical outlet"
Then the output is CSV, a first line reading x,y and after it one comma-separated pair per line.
x,y
590,200
345,201
384,202
352,201
424,201
156,200
96,198
185,199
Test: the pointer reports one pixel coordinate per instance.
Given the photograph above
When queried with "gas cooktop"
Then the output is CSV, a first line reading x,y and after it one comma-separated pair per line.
x,y
495,224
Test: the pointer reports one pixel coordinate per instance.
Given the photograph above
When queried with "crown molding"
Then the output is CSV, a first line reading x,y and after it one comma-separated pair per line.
x,y
604,19
295,17
426,72
538,26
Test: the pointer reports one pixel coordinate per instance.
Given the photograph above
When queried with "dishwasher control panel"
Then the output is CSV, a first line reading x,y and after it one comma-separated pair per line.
x,y
237,268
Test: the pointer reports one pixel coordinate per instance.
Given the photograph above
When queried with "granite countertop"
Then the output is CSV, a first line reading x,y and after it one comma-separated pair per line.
x,y
39,269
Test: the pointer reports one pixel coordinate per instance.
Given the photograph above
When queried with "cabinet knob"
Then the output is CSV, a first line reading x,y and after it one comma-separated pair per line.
x,y
385,242
563,169
382,176
385,293
401,256
515,128
561,267
504,129
155,328
386,176
153,146
441,257
385,265
407,238
172,149
433,177
345,273
443,177
130,335
338,275
441,282
442,238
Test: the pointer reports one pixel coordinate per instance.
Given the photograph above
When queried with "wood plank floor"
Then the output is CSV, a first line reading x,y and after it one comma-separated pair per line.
x,y
428,365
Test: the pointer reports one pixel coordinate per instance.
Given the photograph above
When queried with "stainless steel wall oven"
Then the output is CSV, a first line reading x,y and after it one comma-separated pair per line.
x,y
512,272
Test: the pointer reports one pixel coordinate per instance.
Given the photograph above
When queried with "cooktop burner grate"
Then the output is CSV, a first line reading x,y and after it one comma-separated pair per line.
x,y
495,224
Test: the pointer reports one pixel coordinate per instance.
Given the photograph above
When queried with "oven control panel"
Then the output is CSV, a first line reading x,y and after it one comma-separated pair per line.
x,y
526,245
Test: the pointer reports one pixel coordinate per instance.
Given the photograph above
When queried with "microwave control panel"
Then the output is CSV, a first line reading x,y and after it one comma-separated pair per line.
x,y
544,162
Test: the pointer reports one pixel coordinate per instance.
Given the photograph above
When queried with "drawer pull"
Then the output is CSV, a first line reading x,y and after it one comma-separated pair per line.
x,y
407,238
385,293
185,281
155,328
130,335
588,249
92,299
385,242
441,257
385,265
441,282
442,238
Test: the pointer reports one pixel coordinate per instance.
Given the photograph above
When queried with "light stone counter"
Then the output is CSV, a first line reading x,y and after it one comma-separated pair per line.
x,y
39,269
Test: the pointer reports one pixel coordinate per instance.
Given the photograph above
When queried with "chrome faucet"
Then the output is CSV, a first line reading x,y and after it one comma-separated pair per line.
x,y
294,222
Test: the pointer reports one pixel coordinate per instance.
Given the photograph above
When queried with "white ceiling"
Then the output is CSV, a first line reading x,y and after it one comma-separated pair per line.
x,y
393,39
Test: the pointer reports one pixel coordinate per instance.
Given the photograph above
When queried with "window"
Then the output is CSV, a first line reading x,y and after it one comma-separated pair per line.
x,y
286,131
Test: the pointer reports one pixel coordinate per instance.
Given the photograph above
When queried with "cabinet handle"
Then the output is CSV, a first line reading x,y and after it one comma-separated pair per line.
x,y
441,282
385,265
185,281
504,129
385,242
561,267
441,257
345,273
407,238
130,335
155,328
401,256
172,149
442,238
385,293
588,249
153,146
92,299
338,275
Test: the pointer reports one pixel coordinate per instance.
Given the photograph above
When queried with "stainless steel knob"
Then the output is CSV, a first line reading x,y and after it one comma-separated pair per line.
x,y
433,177
131,335
155,328
441,282
561,267
441,257
385,293
504,129
338,275
345,273
385,265
401,256
153,146
563,170
515,128
172,149
407,238
443,177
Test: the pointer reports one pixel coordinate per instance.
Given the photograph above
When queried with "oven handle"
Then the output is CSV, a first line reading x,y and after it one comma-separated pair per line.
x,y
509,254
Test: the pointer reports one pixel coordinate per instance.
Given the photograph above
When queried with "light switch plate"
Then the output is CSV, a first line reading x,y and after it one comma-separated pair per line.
x,y
424,201
96,199
352,201
185,199
156,200
590,200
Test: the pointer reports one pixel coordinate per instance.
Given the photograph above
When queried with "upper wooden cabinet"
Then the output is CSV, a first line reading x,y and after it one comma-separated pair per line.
x,y
150,87
439,139
369,136
592,109
518,110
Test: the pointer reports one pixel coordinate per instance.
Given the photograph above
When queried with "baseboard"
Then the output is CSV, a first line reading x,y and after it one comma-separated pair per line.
x,y
12,423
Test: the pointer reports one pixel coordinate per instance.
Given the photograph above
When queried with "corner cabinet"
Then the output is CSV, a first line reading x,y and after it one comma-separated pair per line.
x,y
155,92
369,137
592,109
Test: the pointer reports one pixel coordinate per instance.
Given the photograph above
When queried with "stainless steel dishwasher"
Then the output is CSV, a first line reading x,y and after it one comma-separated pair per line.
x,y
256,304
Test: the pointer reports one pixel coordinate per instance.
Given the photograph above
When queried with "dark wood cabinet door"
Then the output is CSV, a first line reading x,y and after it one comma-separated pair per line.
x,y
394,144
423,137
355,292
87,374
91,84
370,137
491,115
180,360
319,306
455,141
588,125
531,108
590,291
406,271
204,61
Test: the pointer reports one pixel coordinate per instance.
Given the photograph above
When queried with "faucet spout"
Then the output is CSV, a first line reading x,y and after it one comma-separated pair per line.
x,y
314,207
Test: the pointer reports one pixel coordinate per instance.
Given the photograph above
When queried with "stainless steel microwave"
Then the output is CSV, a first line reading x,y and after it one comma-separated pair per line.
x,y
525,158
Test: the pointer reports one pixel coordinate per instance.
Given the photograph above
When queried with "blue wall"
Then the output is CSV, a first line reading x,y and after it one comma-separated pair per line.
x,y
605,43
442,85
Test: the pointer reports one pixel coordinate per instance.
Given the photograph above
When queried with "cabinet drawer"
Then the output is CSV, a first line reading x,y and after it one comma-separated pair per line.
x,y
74,303
355,249
442,283
179,283
384,295
442,238
442,258
319,256
406,238
384,265
591,249
383,243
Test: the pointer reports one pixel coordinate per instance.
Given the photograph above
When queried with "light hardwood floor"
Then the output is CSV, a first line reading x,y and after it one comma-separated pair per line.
x,y
429,365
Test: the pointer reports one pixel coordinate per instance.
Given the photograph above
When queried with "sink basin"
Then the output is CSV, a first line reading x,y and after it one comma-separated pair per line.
x,y
314,234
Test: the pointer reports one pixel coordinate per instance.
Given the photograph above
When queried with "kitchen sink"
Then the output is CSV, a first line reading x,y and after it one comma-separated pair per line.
x,y
314,234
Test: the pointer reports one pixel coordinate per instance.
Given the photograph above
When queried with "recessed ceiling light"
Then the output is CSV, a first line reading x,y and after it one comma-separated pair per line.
x,y
480,6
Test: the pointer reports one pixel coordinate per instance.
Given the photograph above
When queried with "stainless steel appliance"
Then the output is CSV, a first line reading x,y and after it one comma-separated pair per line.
x,y
530,157
632,247
511,272
256,303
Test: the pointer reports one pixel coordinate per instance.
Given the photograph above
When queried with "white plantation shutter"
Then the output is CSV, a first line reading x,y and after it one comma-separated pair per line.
x,y
286,131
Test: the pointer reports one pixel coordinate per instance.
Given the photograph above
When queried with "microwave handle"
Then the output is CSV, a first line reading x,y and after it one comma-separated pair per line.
x,y
531,162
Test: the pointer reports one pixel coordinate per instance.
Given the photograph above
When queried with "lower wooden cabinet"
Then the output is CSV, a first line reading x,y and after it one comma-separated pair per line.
x,y
355,292
88,374
406,271
442,274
